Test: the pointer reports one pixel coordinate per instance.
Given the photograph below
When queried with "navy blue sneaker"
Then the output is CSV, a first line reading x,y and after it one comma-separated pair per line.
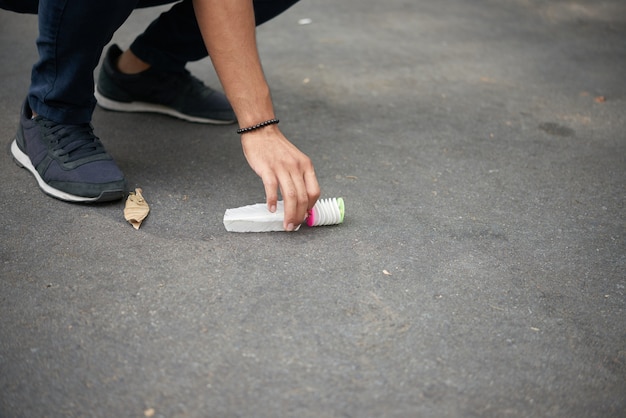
x,y
177,94
68,161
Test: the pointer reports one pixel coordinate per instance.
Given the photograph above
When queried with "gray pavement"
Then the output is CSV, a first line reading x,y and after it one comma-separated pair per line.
x,y
480,272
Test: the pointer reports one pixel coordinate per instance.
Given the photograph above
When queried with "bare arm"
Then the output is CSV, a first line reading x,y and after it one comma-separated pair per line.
x,y
229,32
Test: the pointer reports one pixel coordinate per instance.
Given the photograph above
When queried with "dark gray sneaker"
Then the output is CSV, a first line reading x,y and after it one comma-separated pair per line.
x,y
177,94
68,161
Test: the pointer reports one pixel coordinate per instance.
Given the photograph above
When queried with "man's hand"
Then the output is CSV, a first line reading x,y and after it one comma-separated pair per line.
x,y
282,166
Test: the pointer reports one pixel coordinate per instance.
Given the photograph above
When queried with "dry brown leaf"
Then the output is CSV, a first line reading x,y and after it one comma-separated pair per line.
x,y
600,99
136,208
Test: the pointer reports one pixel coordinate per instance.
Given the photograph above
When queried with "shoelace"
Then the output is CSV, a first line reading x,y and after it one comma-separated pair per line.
x,y
71,142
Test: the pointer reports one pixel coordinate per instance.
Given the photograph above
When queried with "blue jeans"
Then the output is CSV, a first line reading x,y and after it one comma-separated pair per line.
x,y
73,33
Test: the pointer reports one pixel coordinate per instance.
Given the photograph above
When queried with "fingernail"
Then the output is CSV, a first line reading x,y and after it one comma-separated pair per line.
x,y
290,227
273,208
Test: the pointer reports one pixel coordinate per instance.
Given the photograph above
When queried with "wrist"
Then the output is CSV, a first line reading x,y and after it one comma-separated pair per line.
x,y
257,126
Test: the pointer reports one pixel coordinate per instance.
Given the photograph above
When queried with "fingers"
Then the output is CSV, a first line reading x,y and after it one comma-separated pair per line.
x,y
312,187
271,196
299,190
296,200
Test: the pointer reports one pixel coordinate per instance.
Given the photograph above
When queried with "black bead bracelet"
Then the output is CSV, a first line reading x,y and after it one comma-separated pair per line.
x,y
257,126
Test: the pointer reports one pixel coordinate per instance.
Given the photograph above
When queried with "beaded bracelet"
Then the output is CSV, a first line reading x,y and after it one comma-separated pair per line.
x,y
257,126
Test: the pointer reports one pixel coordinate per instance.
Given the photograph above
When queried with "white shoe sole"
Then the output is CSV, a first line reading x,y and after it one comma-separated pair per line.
x,y
109,104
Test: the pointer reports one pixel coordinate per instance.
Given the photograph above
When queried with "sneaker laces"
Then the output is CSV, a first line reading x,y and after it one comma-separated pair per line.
x,y
71,142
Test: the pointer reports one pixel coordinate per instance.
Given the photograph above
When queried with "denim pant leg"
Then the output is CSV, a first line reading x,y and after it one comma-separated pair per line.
x,y
20,6
72,34
174,38
31,6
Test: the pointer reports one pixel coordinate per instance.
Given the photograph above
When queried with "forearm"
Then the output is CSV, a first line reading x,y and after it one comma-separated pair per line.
x,y
229,32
